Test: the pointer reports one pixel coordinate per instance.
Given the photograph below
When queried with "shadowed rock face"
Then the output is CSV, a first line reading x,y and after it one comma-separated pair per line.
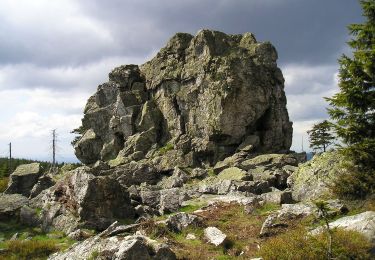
x,y
205,97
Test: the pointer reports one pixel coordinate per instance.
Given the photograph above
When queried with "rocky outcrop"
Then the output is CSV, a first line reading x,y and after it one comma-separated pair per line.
x,y
200,99
23,179
192,122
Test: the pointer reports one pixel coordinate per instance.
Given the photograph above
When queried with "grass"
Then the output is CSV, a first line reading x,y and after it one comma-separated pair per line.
x,y
211,172
242,232
267,208
94,255
243,239
298,244
125,221
31,243
28,249
4,183
167,147
192,207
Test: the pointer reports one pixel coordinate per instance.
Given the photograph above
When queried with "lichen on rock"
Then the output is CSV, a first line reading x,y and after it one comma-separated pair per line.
x,y
209,94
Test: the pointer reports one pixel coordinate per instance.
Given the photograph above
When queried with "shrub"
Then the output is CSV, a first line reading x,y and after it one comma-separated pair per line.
x,y
298,244
354,183
3,183
28,249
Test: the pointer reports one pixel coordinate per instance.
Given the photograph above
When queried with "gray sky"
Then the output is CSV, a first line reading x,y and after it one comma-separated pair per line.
x,y
53,54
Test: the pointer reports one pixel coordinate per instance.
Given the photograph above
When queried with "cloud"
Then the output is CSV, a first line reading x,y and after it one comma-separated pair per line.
x,y
50,32
306,87
55,53
28,116
68,32
61,78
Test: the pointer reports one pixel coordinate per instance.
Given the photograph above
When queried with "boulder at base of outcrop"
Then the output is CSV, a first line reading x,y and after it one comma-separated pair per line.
x,y
23,179
363,223
30,217
117,248
83,199
182,220
201,99
214,236
312,179
10,205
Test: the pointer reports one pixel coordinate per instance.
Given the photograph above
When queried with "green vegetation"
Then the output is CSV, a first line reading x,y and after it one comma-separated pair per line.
x,y
31,243
191,208
320,136
242,231
267,208
211,172
94,255
3,183
167,147
299,244
28,249
352,108
79,132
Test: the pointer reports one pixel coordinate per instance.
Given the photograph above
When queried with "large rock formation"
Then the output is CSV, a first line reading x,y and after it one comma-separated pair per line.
x,y
203,96
191,122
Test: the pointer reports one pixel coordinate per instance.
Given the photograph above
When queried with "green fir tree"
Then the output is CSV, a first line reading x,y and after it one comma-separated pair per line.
x,y
353,108
320,136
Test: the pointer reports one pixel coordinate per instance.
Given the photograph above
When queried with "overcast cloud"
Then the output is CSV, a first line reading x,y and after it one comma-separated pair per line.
x,y
53,54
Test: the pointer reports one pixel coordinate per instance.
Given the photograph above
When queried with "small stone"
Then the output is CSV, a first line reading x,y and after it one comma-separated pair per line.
x,y
14,237
191,236
214,236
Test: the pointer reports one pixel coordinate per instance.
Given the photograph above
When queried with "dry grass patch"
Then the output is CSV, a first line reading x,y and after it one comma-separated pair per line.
x,y
4,183
298,244
242,232
28,249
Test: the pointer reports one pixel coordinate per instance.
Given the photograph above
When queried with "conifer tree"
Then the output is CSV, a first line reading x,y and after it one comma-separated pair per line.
x,y
353,107
320,136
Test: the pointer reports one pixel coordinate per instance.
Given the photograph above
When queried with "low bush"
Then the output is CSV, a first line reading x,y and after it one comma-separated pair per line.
x,y
354,183
298,244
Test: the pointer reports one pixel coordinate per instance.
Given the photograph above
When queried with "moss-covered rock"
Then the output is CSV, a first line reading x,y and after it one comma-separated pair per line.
x,y
312,180
233,173
23,179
